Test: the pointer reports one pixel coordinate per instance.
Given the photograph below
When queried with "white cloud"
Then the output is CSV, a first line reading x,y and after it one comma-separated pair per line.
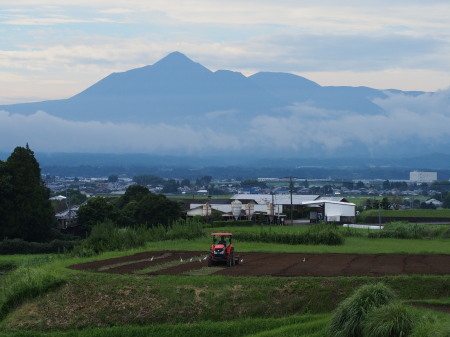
x,y
407,121
47,133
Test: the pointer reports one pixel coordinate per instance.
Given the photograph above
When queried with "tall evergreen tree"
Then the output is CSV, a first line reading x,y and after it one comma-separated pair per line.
x,y
6,202
29,215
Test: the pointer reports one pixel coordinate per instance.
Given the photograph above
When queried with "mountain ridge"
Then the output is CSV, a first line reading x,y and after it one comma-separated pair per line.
x,y
178,106
176,86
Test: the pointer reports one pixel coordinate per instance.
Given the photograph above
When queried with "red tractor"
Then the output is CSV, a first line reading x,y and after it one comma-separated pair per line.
x,y
222,252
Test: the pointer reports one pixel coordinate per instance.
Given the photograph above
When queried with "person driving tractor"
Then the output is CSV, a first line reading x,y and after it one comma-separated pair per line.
x,y
222,241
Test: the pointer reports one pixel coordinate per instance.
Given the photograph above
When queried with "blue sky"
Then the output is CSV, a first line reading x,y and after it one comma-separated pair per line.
x,y
55,48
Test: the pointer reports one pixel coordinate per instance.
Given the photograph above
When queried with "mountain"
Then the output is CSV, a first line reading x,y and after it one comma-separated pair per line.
x,y
179,107
177,89
292,88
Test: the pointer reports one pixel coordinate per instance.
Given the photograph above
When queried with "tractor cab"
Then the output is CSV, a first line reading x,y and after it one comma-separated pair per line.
x,y
222,250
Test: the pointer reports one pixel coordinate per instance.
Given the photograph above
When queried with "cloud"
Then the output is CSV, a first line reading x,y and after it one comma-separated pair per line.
x,y
51,134
408,121
408,124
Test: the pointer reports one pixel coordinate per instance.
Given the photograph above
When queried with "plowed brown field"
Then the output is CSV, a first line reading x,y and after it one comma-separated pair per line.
x,y
275,264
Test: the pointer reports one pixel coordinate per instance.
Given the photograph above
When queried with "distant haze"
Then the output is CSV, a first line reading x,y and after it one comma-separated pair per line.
x,y
179,107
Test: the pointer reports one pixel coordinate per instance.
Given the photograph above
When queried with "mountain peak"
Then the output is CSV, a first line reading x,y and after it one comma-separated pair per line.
x,y
175,56
177,60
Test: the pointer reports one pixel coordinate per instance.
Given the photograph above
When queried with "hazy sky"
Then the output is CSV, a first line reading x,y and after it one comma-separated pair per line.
x,y
56,48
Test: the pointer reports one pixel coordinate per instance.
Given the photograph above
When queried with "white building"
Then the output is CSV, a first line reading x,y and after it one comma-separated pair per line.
x,y
331,209
422,177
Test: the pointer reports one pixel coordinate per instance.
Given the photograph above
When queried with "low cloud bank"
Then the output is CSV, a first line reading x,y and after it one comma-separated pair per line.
x,y
47,133
408,122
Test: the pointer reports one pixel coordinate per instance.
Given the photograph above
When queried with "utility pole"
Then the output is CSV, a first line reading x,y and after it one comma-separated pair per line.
x,y
291,190
379,214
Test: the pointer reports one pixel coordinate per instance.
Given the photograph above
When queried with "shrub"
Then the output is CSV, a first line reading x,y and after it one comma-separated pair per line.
x,y
392,319
107,236
348,318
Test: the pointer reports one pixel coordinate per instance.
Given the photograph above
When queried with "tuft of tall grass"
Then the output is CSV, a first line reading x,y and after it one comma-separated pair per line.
x,y
393,319
315,235
348,318
107,236
25,283
405,230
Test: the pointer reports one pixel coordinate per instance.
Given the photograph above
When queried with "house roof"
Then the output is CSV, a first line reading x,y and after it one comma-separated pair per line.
x,y
278,199
68,213
317,202
341,199
58,197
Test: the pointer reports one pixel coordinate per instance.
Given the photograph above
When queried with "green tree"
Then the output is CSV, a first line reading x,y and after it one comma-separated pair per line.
x,y
6,200
96,210
27,210
157,209
360,185
170,186
113,178
204,181
253,183
446,202
385,204
134,192
139,206
186,182
327,189
348,184
147,179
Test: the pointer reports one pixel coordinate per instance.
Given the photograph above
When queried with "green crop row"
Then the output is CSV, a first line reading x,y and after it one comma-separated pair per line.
x,y
404,230
320,235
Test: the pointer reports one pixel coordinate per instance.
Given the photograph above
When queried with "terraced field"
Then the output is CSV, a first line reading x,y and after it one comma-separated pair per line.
x,y
274,264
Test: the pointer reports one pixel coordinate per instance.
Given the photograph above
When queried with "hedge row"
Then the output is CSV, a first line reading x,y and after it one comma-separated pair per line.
x,y
19,246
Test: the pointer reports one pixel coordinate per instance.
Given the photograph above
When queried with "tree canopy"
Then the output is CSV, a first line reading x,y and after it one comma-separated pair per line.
x,y
137,206
25,209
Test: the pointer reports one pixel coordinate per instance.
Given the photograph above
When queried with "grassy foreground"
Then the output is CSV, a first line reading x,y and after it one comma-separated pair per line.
x,y
64,302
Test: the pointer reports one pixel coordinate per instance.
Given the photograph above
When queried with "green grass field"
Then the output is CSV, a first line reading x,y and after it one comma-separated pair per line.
x,y
410,213
44,298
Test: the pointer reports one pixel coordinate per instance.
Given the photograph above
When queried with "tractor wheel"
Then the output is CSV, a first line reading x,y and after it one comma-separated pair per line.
x,y
229,261
210,262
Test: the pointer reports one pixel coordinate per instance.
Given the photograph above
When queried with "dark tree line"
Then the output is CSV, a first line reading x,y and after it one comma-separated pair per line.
x,y
25,208
137,206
